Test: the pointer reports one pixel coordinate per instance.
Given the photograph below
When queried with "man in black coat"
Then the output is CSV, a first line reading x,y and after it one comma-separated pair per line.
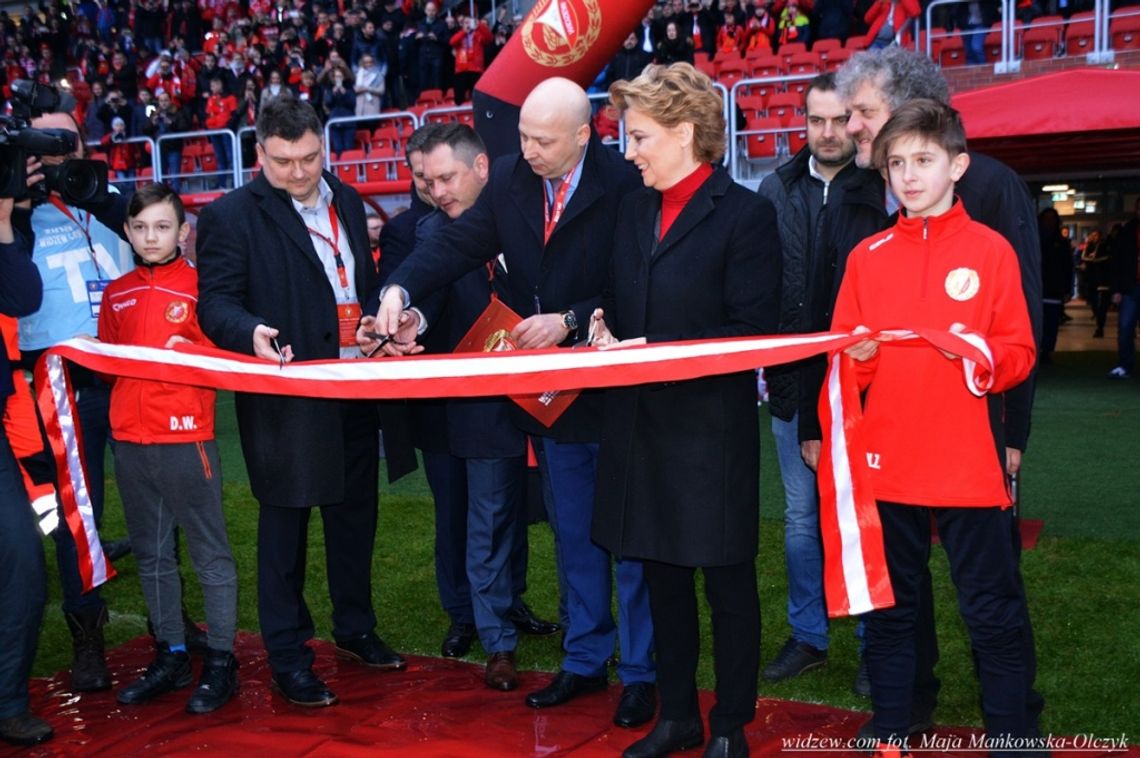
x,y
283,260
812,199
551,212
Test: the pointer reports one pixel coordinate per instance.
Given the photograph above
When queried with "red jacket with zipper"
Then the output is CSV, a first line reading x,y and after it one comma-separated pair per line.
x,y
147,307
928,436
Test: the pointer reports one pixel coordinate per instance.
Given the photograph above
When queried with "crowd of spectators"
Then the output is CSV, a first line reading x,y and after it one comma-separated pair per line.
x,y
149,67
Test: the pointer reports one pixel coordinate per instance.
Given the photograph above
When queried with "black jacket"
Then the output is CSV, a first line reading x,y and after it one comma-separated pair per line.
x,y
257,265
566,274
811,277
997,197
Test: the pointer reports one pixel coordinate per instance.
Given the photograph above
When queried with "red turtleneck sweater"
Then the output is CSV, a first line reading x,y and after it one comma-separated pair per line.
x,y
677,197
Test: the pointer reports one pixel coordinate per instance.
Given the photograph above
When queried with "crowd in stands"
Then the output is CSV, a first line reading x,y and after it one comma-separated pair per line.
x,y
148,67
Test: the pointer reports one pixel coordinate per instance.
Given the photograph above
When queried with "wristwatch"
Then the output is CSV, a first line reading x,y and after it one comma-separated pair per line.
x,y
569,321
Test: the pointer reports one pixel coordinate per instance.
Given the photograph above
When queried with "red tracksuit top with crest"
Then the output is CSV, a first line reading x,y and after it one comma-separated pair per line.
x,y
928,436
146,307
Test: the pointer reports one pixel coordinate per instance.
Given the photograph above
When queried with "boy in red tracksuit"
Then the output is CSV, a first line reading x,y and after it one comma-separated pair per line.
x,y
166,459
929,444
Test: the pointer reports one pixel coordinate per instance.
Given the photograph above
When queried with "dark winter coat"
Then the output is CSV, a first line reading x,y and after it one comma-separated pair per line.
x,y
679,466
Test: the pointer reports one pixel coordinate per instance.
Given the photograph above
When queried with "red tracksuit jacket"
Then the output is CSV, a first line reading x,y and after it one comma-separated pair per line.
x,y
146,307
928,437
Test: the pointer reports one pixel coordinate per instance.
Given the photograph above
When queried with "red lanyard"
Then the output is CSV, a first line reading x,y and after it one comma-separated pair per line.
x,y
551,215
84,228
341,273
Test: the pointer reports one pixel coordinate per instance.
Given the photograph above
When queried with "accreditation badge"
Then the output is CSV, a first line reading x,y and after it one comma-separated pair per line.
x,y
348,318
95,289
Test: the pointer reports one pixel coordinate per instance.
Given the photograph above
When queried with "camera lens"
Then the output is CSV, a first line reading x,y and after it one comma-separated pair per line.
x,y
77,181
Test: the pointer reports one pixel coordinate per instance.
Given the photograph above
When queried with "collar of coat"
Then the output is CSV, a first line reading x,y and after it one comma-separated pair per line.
x,y
527,191
702,203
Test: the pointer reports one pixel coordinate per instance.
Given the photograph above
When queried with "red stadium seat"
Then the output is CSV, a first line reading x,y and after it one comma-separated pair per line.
x,y
837,58
825,47
789,49
952,53
797,140
707,67
348,165
763,145
732,71
767,65
804,63
1039,44
856,42
1079,37
752,104
785,106
1124,29
723,56
992,43
430,97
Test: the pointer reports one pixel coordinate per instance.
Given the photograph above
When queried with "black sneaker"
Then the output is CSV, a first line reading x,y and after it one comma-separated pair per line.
x,y
170,671
218,684
794,659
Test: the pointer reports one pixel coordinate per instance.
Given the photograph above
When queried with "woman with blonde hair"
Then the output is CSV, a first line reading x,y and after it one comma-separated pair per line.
x,y
696,256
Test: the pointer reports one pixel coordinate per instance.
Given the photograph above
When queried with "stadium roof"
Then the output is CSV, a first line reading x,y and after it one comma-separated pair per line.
x,y
1079,121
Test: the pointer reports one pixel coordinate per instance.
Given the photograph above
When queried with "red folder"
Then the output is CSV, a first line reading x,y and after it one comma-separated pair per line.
x,y
491,333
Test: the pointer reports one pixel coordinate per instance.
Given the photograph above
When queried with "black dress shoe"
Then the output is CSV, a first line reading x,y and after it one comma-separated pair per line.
x,y
218,683
667,737
458,641
303,688
371,651
25,729
565,687
527,623
732,746
116,549
637,705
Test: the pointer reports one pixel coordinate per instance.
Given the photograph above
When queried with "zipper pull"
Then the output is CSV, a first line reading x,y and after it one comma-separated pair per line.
x,y
925,226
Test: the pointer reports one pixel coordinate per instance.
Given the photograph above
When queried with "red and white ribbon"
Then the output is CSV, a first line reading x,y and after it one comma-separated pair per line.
x,y
513,373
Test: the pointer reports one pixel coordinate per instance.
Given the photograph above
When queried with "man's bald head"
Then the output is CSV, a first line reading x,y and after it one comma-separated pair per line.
x,y
554,127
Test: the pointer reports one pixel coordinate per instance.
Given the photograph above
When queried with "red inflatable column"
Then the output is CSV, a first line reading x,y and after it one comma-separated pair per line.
x,y
570,38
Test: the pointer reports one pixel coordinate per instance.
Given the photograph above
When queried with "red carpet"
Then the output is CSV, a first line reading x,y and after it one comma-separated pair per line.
x,y
436,707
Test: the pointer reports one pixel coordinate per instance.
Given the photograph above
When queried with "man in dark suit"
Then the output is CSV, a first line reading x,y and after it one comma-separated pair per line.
x,y
284,260
550,212
446,473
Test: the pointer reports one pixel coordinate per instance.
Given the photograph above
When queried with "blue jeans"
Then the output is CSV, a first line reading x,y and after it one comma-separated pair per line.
x,y
172,167
22,585
807,614
224,152
590,635
1126,334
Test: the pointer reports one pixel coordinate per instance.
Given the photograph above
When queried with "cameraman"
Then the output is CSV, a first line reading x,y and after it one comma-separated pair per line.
x,y
23,580
168,118
76,254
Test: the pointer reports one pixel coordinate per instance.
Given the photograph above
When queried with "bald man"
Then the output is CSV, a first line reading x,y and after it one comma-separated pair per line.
x,y
551,210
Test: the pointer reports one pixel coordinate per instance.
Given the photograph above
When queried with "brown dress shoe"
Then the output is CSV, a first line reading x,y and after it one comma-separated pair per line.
x,y
501,671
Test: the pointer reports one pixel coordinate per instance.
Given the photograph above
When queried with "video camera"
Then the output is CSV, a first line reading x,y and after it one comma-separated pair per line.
x,y
77,181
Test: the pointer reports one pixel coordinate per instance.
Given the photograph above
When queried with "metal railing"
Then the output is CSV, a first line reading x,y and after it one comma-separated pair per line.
x,y
160,173
98,146
734,143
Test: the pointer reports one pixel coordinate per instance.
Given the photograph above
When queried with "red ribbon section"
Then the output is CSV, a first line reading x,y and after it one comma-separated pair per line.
x,y
855,566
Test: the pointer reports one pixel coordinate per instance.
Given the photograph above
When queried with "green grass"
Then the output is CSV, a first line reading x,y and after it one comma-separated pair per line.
x,y
1083,580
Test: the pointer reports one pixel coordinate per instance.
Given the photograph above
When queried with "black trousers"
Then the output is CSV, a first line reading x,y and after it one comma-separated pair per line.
x,y
901,648
350,535
731,594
